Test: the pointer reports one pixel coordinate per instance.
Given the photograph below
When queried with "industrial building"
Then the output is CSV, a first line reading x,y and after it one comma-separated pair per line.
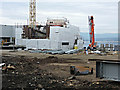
x,y
59,35
7,34
56,34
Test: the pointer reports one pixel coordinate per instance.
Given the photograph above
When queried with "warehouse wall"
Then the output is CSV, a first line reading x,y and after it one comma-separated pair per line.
x,y
7,31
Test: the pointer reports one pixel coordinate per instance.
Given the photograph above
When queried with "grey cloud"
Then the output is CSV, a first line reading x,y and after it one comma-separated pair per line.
x,y
105,13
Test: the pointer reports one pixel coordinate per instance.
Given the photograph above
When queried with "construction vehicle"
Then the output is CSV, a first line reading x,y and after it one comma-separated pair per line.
x,y
92,44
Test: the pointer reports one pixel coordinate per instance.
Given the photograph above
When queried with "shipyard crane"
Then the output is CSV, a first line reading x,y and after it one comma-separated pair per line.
x,y
92,44
33,31
32,14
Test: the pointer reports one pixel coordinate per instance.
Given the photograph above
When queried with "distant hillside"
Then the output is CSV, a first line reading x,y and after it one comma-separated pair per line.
x,y
101,37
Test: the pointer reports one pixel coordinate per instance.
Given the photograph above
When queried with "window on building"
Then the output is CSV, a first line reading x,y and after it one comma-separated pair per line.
x,y
51,22
65,43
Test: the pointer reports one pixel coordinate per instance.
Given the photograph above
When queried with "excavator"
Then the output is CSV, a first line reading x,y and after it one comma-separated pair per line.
x,y
92,44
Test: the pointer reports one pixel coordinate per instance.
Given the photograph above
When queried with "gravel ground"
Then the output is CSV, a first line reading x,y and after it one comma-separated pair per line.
x,y
46,71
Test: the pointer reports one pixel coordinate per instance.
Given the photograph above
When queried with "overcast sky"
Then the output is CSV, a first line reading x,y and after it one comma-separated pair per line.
x,y
105,12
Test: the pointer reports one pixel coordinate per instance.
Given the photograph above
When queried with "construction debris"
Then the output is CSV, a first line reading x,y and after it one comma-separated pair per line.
x,y
97,52
56,51
1,64
72,77
71,51
80,70
8,67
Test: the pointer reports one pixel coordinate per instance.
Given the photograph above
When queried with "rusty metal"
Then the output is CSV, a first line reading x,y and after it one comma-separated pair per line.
x,y
35,33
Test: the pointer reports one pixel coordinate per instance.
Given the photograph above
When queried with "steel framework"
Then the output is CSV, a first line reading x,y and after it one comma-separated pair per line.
x,y
32,13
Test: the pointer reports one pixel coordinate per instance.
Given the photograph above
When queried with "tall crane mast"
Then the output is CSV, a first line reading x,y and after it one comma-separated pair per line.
x,y
32,13
91,32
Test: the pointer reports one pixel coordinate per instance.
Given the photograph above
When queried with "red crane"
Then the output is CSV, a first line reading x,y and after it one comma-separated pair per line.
x,y
91,32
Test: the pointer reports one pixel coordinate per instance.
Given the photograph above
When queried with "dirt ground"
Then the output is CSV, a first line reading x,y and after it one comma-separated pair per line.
x,y
37,70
